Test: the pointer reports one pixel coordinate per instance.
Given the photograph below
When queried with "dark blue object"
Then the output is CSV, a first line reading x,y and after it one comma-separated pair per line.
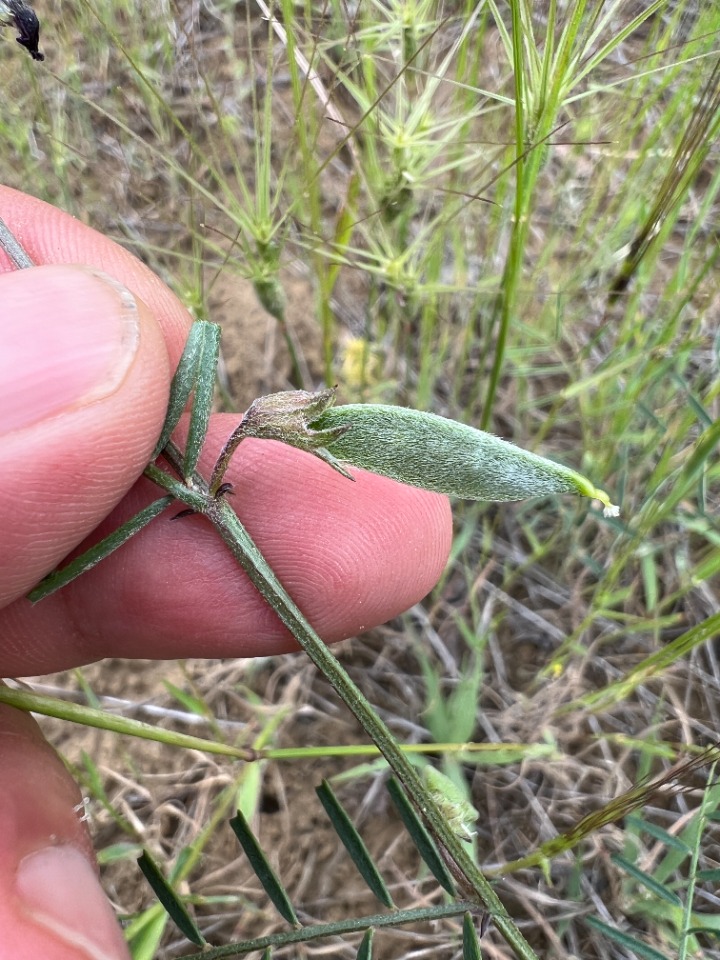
x,y
24,18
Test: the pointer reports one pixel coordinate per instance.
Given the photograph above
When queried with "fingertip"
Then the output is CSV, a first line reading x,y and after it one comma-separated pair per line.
x,y
61,902
51,902
52,236
70,336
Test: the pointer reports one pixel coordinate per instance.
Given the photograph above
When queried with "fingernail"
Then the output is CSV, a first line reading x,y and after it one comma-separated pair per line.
x,y
61,893
69,336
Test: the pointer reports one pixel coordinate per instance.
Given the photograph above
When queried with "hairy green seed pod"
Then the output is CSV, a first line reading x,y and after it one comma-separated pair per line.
x,y
434,453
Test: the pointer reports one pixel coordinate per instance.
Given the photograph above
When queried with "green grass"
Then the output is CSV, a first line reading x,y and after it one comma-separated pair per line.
x,y
546,270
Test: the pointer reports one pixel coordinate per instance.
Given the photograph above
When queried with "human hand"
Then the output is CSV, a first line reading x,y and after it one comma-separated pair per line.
x,y
85,367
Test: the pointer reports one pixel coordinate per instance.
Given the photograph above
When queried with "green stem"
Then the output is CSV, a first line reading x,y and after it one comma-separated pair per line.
x,y
195,493
101,719
470,879
339,928
505,305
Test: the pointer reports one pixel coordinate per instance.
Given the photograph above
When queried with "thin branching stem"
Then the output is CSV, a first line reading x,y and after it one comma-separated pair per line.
x,y
338,928
469,878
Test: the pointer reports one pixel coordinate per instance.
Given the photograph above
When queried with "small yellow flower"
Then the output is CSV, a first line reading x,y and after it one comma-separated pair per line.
x,y
361,365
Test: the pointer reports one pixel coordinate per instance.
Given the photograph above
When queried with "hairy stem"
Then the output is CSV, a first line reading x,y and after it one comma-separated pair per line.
x,y
471,881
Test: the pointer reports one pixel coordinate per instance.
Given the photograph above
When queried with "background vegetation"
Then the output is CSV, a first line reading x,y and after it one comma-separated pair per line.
x,y
506,213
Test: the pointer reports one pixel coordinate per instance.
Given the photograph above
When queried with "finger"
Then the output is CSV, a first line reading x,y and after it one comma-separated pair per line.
x,y
51,236
51,903
381,548
84,380
351,554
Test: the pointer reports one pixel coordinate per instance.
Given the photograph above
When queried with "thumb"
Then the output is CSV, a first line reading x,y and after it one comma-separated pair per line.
x,y
84,382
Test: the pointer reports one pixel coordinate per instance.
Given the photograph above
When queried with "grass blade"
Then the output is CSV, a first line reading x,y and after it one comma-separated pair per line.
x,y
144,933
657,833
651,667
630,943
647,881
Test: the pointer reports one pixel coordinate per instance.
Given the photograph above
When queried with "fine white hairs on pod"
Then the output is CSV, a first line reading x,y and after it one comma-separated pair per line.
x,y
428,451
420,449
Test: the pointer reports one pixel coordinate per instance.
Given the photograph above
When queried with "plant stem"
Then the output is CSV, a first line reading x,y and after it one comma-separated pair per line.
x,y
470,879
505,304
196,494
337,928
127,726
13,248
